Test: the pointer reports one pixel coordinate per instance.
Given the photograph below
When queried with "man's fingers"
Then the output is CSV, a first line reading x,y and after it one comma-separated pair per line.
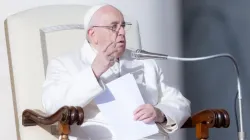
x,y
111,51
139,109
107,46
148,120
144,116
139,114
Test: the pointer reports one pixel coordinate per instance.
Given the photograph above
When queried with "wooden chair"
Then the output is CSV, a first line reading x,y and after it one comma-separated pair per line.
x,y
35,36
66,116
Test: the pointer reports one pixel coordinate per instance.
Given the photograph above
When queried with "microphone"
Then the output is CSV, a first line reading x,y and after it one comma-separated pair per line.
x,y
142,54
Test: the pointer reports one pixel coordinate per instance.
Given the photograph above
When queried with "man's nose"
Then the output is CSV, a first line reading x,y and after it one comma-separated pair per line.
x,y
121,31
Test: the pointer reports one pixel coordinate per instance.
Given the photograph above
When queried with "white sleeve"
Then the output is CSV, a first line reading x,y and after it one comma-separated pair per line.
x,y
173,104
63,88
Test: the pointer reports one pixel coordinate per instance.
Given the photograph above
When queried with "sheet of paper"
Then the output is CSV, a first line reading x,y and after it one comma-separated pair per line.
x,y
121,97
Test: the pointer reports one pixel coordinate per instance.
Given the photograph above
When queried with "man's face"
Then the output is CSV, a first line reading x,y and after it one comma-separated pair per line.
x,y
110,28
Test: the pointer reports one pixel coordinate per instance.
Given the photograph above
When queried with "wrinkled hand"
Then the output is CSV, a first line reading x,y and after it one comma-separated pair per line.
x,y
105,59
148,114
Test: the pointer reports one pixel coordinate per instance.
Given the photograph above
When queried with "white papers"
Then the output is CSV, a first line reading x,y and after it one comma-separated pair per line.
x,y
118,103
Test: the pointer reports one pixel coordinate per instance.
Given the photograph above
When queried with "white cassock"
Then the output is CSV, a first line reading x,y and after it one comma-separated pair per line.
x,y
70,81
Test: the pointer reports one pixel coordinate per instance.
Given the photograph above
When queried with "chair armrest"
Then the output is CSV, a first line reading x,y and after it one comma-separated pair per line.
x,y
205,119
65,117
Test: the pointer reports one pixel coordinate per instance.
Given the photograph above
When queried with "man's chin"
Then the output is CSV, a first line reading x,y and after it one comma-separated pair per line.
x,y
121,46
121,51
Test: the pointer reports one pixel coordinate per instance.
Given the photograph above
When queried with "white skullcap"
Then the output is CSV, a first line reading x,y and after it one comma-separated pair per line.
x,y
89,14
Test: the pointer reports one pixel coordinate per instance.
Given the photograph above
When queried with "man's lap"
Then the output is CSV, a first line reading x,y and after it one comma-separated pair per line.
x,y
101,131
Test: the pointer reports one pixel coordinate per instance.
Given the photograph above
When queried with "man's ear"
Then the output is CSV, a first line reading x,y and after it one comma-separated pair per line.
x,y
91,35
90,32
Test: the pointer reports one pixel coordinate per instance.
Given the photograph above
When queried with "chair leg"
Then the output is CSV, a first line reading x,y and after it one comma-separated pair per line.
x,y
64,137
64,130
201,131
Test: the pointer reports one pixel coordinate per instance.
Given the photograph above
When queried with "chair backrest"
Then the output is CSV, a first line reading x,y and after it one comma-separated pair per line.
x,y
34,37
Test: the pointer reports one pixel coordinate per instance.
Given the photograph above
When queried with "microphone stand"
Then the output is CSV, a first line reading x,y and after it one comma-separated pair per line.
x,y
141,54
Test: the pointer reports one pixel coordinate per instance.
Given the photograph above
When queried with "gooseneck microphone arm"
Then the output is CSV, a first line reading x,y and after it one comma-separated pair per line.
x,y
141,54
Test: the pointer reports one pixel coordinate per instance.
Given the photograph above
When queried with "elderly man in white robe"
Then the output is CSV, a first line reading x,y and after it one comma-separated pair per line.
x,y
75,79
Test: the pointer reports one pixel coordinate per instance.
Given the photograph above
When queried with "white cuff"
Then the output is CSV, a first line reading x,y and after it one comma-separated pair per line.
x,y
170,125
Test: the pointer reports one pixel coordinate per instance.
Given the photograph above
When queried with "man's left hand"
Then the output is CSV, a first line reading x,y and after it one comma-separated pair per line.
x,y
148,114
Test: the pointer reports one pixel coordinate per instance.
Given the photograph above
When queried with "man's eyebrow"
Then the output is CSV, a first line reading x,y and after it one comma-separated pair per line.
x,y
116,22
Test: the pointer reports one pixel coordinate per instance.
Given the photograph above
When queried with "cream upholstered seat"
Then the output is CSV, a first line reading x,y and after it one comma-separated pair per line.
x,y
33,38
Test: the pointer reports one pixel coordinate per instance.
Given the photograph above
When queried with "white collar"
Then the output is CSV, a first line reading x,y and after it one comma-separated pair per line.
x,y
88,53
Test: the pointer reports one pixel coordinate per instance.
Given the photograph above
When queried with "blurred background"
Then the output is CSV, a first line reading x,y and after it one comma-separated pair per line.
x,y
211,27
187,28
